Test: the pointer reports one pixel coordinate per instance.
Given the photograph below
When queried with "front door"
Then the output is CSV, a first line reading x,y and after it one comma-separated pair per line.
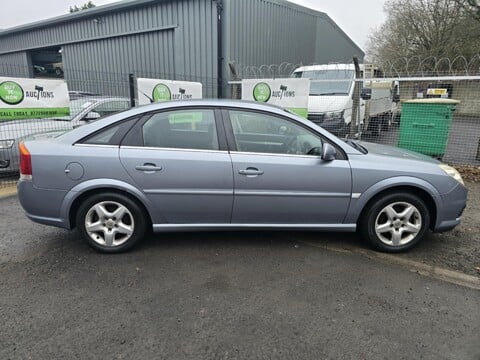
x,y
279,176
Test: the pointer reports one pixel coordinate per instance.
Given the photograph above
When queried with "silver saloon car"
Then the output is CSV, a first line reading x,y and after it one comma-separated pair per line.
x,y
212,164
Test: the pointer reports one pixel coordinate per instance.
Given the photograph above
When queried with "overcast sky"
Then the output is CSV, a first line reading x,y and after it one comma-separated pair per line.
x,y
355,17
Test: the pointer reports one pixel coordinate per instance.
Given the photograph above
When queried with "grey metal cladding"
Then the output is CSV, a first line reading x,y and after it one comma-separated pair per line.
x,y
264,32
162,38
14,64
274,31
333,44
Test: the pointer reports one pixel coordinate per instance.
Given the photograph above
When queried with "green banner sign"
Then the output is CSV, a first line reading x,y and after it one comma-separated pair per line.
x,y
33,98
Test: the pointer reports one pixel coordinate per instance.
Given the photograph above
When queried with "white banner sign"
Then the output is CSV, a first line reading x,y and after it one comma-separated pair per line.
x,y
288,93
22,98
155,90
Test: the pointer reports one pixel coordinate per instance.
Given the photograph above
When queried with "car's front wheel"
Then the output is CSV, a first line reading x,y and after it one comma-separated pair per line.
x,y
395,222
111,222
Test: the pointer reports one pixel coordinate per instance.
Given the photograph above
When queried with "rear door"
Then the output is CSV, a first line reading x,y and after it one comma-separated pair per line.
x,y
179,159
279,176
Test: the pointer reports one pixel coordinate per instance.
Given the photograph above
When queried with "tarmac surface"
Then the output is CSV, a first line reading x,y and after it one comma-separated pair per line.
x,y
251,295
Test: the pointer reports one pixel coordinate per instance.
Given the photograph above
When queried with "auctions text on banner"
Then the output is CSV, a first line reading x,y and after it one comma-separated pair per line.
x,y
291,94
156,90
22,98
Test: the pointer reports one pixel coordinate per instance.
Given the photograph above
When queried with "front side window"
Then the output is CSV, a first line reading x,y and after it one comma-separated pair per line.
x,y
181,129
262,133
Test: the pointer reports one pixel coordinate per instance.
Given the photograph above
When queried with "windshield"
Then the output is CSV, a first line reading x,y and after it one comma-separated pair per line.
x,y
320,84
76,107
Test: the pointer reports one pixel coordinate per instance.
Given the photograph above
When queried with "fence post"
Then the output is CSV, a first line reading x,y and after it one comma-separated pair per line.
x,y
131,88
355,122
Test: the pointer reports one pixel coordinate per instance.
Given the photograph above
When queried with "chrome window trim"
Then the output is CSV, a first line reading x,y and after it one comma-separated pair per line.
x,y
277,154
96,145
172,149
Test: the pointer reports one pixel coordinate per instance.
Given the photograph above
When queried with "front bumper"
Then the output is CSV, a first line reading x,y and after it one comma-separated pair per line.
x,y
450,214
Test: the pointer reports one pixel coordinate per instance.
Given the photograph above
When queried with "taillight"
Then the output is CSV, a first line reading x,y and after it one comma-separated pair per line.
x,y
25,162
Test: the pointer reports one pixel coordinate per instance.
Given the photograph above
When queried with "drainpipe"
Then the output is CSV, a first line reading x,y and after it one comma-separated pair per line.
x,y
219,49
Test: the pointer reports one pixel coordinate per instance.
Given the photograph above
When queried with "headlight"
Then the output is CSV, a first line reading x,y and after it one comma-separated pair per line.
x,y
6,144
452,172
330,116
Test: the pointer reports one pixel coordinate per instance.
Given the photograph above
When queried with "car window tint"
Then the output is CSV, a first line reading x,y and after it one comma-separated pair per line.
x,y
111,135
262,133
110,107
182,129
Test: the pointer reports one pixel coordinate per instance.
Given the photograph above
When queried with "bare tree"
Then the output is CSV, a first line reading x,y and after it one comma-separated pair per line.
x,y
424,29
85,6
471,6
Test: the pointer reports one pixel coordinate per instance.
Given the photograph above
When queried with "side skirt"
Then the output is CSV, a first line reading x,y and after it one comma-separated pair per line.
x,y
246,227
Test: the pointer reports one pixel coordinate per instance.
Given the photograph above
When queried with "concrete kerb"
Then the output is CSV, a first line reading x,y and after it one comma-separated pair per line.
x,y
451,276
8,191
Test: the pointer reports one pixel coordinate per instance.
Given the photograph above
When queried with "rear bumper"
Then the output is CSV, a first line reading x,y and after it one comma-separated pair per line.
x,y
42,205
450,214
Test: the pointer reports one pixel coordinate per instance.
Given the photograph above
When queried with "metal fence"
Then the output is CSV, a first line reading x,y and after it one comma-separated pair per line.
x,y
442,121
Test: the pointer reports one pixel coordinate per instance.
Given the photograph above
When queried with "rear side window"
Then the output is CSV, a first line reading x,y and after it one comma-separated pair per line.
x,y
111,135
181,129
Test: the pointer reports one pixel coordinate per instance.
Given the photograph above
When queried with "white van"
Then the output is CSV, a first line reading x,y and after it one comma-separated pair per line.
x,y
331,98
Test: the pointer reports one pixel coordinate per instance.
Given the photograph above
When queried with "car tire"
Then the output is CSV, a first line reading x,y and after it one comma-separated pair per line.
x,y
395,222
58,72
111,222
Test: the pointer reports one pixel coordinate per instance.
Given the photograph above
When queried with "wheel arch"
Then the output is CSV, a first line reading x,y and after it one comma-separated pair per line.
x,y
421,193
82,191
424,190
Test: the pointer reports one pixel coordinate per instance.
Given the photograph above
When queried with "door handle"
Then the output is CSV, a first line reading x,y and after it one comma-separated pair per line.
x,y
250,172
148,167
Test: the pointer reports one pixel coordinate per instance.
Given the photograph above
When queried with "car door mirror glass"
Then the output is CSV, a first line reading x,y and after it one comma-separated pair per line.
x,y
328,153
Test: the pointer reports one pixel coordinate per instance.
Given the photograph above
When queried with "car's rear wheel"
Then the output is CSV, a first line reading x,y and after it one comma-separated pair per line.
x,y
395,222
111,222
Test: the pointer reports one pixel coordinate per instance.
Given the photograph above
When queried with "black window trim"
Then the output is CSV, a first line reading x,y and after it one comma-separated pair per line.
x,y
117,138
232,146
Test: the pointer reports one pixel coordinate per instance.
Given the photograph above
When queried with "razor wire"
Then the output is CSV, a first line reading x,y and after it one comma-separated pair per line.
x,y
415,66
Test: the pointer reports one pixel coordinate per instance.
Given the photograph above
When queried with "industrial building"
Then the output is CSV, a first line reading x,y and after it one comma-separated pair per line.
x,y
96,49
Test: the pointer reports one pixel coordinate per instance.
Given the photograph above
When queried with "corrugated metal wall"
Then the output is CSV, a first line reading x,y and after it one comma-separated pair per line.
x,y
178,40
15,64
275,31
333,45
265,32
174,39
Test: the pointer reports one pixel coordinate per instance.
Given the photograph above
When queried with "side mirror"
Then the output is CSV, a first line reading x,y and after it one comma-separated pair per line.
x,y
328,152
91,116
396,98
366,94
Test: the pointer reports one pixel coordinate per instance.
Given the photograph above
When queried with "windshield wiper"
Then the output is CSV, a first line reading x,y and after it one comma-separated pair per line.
x,y
356,146
330,93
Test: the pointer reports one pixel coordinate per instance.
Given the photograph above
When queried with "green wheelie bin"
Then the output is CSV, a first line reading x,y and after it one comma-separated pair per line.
x,y
425,124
